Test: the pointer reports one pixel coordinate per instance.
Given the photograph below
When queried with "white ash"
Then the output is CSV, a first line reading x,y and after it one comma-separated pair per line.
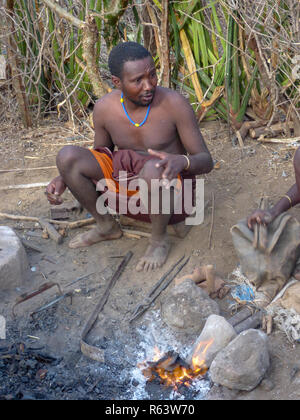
x,y
155,334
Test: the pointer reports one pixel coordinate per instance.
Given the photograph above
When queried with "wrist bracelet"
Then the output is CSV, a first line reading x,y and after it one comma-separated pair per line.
x,y
188,163
290,200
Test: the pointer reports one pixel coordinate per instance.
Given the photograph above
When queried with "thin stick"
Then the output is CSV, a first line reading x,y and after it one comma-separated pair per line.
x,y
71,143
69,225
27,169
212,220
23,186
284,141
136,232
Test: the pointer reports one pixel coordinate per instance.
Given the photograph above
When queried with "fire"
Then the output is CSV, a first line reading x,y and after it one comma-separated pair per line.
x,y
172,370
198,360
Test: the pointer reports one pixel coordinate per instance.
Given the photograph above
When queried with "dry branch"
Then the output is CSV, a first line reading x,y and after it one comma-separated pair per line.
x,y
24,186
52,232
64,14
273,130
27,169
89,43
284,141
165,51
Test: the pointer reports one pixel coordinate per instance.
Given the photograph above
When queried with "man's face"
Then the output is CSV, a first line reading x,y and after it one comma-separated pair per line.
x,y
139,81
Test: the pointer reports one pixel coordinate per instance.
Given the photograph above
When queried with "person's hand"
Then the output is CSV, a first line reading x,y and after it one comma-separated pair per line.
x,y
54,190
262,217
172,164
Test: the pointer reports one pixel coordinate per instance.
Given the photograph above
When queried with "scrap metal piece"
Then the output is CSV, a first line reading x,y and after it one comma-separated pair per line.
x,y
49,304
88,350
41,289
157,289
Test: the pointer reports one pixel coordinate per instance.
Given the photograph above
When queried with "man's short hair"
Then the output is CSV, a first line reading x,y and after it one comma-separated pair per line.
x,y
123,52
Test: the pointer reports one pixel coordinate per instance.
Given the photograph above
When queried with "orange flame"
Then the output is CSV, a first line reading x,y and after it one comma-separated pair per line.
x,y
179,375
198,361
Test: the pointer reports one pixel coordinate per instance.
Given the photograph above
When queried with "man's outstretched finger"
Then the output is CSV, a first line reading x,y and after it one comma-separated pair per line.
x,y
161,163
160,155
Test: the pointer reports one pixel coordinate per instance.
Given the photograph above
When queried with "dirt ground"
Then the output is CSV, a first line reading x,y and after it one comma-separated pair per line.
x,y
241,177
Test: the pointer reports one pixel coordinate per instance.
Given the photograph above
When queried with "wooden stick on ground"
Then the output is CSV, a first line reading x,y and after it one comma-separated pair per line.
x,y
27,169
273,130
212,220
284,141
52,232
68,225
24,186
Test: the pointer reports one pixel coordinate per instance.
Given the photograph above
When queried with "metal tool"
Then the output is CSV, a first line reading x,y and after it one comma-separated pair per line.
x,y
41,289
160,286
90,351
48,305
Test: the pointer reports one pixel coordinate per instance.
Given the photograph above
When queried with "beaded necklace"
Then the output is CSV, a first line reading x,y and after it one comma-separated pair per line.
x,y
126,113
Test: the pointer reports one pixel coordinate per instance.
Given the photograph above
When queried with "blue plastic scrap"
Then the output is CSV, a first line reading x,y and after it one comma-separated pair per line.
x,y
243,293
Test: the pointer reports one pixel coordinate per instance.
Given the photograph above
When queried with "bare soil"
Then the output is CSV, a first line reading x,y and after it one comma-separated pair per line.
x,y
241,178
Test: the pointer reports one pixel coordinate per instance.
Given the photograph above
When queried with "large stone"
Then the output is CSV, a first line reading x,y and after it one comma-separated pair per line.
x,y
243,363
216,334
13,259
187,307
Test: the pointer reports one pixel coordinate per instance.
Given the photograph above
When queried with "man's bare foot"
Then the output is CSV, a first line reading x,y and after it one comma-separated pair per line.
x,y
155,256
93,236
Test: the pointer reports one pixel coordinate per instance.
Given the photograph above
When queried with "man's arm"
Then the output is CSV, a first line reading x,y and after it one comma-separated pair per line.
x,y
101,137
288,200
199,160
187,127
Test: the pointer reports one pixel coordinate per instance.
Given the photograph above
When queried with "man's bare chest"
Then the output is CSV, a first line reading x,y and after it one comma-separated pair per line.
x,y
158,132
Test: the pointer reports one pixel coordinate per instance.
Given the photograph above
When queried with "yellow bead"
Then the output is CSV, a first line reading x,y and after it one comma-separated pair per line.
x,y
121,100
137,125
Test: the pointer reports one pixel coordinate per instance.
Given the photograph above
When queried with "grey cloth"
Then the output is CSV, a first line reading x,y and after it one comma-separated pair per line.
x,y
268,262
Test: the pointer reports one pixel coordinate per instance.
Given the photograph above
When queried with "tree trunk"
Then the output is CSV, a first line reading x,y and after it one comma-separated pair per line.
x,y
17,81
165,49
89,43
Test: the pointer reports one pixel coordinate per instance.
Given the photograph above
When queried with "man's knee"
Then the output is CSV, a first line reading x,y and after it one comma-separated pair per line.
x,y
67,157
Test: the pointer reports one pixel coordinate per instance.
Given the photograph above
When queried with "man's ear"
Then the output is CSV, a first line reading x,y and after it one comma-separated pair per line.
x,y
116,81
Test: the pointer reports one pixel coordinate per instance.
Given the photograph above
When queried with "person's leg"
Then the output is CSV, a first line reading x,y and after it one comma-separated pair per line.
x,y
79,167
158,249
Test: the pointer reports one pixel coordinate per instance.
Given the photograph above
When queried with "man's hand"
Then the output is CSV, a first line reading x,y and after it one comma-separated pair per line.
x,y
263,217
54,190
172,164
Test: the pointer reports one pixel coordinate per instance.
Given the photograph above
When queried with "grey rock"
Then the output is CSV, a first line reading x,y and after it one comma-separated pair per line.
x,y
187,307
13,259
243,363
216,334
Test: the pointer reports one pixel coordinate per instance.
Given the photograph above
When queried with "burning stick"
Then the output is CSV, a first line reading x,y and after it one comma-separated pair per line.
x,y
171,370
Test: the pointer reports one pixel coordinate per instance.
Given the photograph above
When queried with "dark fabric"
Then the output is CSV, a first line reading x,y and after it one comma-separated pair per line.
x,y
132,162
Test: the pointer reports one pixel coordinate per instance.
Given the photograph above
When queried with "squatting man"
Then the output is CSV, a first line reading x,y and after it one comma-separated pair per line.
x,y
141,129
